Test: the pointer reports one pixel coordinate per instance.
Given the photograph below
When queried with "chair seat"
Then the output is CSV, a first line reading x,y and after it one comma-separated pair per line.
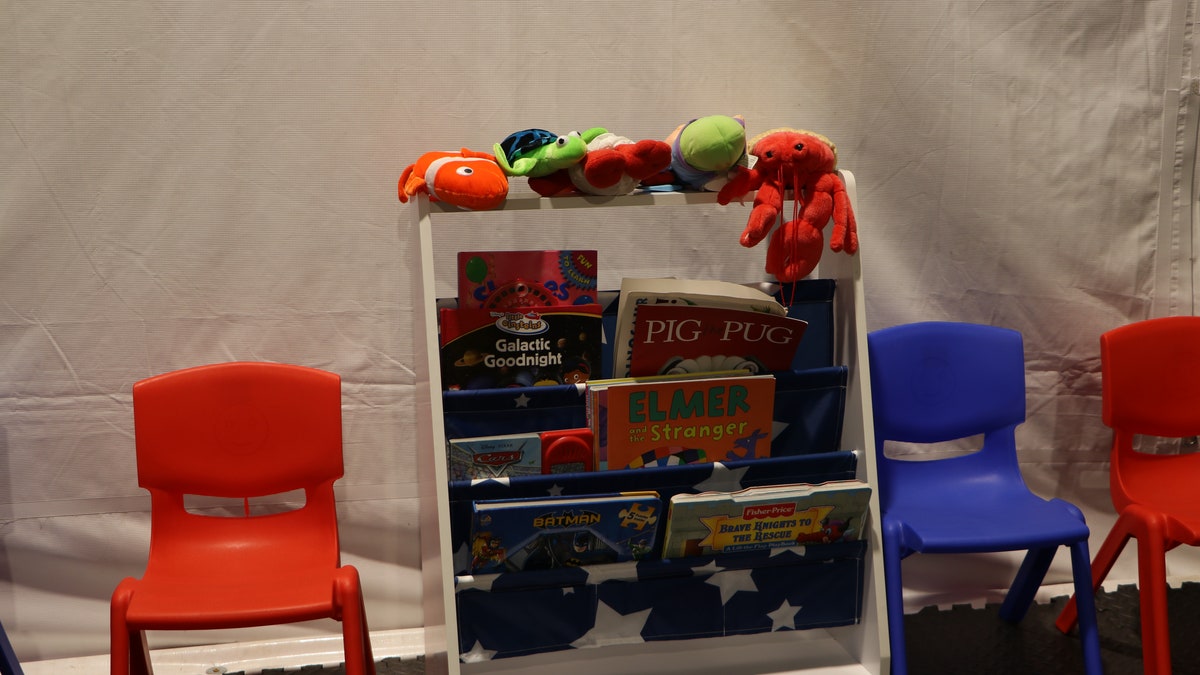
x,y
999,521
222,595
1163,484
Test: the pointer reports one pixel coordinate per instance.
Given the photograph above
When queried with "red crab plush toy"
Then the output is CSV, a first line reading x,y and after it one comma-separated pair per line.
x,y
613,165
806,162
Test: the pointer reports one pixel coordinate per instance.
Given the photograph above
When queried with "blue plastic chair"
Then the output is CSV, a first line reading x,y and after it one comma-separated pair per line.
x,y
936,382
9,665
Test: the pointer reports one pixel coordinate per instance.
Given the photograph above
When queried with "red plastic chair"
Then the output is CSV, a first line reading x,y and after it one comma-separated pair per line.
x,y
1149,388
239,431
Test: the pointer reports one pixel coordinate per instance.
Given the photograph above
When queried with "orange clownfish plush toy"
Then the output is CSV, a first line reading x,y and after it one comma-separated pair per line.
x,y
467,179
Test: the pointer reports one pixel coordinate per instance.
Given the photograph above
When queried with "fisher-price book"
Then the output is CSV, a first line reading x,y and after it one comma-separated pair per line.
x,y
765,517
673,339
516,279
660,421
508,535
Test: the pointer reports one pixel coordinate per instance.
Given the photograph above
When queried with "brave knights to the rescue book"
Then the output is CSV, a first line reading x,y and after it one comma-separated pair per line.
x,y
544,533
765,517
661,422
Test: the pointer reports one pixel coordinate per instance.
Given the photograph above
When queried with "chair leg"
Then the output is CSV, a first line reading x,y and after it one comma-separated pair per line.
x,y
356,639
9,665
1024,587
1085,604
1109,551
894,585
129,652
1152,594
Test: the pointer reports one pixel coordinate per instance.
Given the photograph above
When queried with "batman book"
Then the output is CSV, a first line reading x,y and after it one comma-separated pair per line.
x,y
545,533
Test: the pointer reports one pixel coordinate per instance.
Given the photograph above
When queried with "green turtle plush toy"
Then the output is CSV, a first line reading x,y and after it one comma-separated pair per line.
x,y
537,152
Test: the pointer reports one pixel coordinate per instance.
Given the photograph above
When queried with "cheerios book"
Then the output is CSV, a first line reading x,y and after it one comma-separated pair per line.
x,y
520,279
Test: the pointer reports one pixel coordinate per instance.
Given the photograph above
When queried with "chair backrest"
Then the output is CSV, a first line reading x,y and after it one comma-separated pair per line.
x,y
238,429
933,382
1150,370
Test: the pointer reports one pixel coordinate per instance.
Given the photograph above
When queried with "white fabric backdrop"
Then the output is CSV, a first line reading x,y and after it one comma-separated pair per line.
x,y
189,182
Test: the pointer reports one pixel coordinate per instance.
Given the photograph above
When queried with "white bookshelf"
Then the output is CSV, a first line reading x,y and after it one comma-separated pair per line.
x,y
859,648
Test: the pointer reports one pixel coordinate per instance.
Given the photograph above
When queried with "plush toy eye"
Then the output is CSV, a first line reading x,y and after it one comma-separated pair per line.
x,y
799,147
770,154
464,171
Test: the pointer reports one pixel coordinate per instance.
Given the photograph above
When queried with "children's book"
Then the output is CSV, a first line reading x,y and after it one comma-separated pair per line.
x,y
544,533
596,409
673,339
518,279
523,454
495,456
765,517
488,349
662,421
692,293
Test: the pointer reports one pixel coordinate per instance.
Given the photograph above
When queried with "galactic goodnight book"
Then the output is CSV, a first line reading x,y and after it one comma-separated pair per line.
x,y
487,349
508,535
657,422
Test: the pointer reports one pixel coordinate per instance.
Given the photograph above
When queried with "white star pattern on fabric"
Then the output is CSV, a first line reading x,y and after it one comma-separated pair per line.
x,y
711,568
522,401
612,628
462,557
722,479
478,654
484,582
503,480
784,617
598,574
778,427
732,581
779,550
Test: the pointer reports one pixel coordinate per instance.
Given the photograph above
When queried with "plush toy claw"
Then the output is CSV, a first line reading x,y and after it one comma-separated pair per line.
x,y
467,179
806,162
613,165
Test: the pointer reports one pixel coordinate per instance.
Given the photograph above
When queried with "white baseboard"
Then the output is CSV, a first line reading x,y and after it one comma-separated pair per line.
x,y
248,657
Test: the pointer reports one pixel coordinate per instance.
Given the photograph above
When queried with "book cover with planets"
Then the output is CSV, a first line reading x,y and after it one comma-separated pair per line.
x,y
495,348
523,279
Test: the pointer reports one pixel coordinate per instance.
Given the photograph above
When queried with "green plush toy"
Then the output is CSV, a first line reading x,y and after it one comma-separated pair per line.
x,y
537,152
705,150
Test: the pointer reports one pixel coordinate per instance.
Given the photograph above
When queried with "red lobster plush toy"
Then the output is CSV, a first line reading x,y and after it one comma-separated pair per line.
x,y
806,162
